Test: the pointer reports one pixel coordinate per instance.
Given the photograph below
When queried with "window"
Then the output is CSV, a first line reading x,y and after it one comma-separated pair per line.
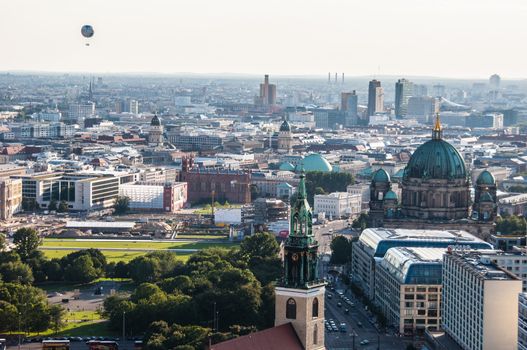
x,y
315,334
290,310
315,308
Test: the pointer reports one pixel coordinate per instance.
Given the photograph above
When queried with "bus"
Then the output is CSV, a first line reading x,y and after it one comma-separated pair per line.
x,y
53,344
138,345
3,344
102,345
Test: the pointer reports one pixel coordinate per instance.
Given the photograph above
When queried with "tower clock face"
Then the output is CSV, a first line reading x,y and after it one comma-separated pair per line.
x,y
294,257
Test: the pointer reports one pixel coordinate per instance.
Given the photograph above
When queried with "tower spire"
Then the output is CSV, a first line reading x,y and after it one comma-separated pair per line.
x,y
437,132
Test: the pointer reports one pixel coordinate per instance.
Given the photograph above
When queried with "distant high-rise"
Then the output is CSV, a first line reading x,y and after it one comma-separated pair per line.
x,y
375,97
134,106
78,112
420,90
404,89
439,90
267,93
349,105
494,82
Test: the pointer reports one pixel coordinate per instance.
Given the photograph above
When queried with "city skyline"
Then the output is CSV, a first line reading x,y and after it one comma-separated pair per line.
x,y
279,38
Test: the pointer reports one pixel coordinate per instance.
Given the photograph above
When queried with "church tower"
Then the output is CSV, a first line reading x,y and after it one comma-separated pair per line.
x,y
300,293
155,135
285,138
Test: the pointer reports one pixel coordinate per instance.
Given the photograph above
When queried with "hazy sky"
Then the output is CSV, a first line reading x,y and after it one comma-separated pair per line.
x,y
450,38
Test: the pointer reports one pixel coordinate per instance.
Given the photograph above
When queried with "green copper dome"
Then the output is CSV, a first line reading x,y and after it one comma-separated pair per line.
x,y
314,162
486,178
436,159
391,195
287,166
381,176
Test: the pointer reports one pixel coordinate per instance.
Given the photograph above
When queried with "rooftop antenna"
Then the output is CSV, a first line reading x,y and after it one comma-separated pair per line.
x,y
336,77
329,77
342,78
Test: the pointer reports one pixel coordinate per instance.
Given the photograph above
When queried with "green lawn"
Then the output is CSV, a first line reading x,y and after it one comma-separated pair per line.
x,y
97,328
74,243
114,256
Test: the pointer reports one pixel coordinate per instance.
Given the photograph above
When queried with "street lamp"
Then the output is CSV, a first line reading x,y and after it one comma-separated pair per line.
x,y
124,327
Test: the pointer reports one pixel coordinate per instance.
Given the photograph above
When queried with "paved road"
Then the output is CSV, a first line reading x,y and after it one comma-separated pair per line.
x,y
128,345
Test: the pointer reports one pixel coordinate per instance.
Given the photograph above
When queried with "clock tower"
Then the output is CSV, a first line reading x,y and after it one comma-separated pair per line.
x,y
300,292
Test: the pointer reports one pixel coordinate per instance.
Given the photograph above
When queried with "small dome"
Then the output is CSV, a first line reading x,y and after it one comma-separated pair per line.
x,y
381,176
287,166
486,178
155,121
315,162
486,197
285,126
390,195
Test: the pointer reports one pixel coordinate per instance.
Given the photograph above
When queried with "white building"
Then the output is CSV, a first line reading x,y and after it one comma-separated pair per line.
x,y
134,107
169,197
79,112
337,204
480,302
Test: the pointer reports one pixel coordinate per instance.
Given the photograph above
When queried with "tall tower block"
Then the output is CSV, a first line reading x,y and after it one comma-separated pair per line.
x,y
300,293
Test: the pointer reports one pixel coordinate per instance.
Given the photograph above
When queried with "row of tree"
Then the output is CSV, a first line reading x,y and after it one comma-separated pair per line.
x,y
235,283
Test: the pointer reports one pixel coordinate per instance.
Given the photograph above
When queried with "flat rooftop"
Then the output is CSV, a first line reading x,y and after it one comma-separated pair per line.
x,y
480,265
100,224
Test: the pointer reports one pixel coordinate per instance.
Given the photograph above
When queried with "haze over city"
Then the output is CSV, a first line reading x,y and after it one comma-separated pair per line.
x,y
446,38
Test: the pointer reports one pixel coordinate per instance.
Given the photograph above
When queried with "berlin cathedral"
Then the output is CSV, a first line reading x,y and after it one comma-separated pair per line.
x,y
436,192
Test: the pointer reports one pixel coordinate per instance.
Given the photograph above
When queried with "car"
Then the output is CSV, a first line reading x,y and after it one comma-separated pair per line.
x,y
330,296
359,324
342,327
339,304
346,311
334,328
365,342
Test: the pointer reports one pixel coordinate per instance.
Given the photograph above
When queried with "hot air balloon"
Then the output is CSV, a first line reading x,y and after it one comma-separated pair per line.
x,y
87,32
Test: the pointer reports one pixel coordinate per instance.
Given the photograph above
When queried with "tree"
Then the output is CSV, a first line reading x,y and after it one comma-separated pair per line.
x,y
81,270
144,269
327,182
57,314
26,241
511,225
340,250
361,222
3,242
63,207
52,205
122,205
16,272
262,244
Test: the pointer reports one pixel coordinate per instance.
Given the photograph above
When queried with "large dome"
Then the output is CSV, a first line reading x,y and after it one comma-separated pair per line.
x,y
436,159
155,121
486,178
315,162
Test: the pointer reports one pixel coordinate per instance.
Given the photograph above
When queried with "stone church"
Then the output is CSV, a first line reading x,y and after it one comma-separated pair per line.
x,y
435,194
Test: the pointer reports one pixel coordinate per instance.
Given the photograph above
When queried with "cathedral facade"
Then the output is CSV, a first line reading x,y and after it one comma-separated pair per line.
x,y
436,192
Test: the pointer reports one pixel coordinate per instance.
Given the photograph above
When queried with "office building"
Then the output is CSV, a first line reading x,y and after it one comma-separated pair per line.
x,y
423,108
194,141
373,244
438,90
480,302
10,197
409,288
375,98
404,89
488,120
337,204
82,192
134,106
80,111
494,82
349,105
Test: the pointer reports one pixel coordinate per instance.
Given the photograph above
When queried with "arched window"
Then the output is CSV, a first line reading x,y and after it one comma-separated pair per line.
x,y
315,307
315,334
290,309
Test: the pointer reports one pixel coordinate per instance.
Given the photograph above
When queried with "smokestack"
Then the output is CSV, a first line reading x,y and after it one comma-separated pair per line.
x,y
335,78
329,78
342,78
266,79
